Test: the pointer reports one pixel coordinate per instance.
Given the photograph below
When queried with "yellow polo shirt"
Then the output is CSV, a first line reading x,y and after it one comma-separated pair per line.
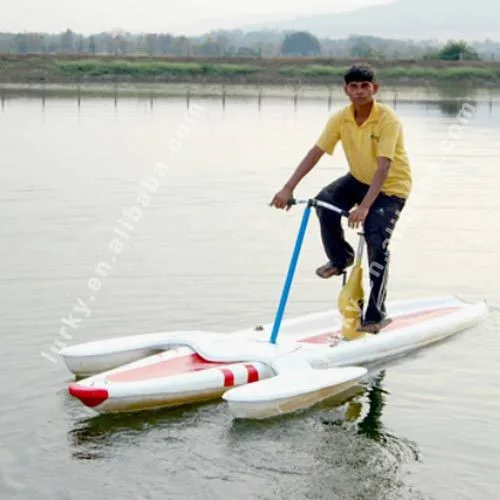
x,y
380,135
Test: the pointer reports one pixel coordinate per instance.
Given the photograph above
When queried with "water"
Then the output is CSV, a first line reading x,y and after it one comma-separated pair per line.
x,y
207,252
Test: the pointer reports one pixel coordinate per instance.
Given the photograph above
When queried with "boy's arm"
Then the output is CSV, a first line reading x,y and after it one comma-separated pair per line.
x,y
309,161
305,166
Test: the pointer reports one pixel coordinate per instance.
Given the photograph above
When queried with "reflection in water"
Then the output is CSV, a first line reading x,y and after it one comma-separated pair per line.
x,y
453,108
367,458
452,98
371,425
339,449
93,437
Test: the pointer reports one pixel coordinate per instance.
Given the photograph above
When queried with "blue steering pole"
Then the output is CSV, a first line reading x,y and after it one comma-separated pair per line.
x,y
291,272
295,257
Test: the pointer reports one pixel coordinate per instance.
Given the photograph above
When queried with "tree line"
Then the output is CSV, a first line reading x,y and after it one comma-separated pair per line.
x,y
240,44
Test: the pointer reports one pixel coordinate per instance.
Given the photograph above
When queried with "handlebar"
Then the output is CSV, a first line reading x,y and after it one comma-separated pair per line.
x,y
313,202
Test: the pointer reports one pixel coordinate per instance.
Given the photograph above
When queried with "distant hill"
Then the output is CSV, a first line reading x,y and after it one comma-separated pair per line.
x,y
417,19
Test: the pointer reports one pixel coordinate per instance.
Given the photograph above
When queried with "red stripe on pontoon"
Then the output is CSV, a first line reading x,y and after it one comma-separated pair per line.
x,y
165,368
400,322
228,377
253,374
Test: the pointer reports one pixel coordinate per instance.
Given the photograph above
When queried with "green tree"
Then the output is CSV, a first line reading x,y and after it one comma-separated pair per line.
x,y
361,48
181,46
458,51
81,44
151,44
165,43
122,44
68,41
207,47
21,43
247,52
92,45
300,43
111,45
222,45
36,42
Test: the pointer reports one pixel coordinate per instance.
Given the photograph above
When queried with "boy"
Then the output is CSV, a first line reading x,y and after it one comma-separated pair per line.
x,y
377,185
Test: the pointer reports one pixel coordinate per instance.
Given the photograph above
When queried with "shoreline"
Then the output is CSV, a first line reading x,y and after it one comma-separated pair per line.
x,y
91,72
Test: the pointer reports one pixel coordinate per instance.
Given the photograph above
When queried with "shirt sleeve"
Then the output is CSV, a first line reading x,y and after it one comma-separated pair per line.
x,y
389,136
330,135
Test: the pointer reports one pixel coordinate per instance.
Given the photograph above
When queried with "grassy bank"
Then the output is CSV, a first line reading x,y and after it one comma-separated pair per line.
x,y
279,71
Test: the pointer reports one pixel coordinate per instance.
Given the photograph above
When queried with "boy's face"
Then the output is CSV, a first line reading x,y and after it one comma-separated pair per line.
x,y
361,92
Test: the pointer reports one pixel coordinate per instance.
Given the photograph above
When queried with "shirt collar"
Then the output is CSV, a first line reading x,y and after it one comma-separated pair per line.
x,y
372,117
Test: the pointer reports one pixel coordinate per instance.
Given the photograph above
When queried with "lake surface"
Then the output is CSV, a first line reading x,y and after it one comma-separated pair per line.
x,y
209,253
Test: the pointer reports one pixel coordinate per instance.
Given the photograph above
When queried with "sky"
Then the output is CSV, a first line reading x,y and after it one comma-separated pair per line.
x,y
188,17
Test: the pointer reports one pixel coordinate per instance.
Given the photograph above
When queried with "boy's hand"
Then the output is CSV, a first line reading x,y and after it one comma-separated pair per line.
x,y
358,216
282,198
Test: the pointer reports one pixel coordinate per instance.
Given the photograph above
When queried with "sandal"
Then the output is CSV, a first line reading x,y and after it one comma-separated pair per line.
x,y
328,270
374,327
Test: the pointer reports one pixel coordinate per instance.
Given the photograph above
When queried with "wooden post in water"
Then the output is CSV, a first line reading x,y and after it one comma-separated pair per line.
x,y
188,97
3,101
223,97
296,89
395,99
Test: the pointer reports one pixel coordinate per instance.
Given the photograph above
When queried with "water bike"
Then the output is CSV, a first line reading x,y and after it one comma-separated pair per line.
x,y
260,372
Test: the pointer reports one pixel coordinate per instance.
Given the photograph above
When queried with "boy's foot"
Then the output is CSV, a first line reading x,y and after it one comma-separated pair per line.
x,y
373,327
328,270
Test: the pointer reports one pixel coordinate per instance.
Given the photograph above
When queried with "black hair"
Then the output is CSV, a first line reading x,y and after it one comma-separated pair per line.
x,y
359,73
